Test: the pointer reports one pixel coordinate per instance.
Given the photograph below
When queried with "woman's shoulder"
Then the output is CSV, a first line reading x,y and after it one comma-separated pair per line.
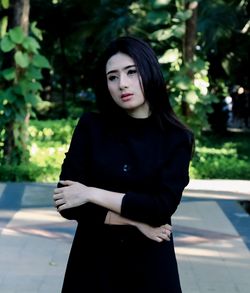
x,y
180,136
90,119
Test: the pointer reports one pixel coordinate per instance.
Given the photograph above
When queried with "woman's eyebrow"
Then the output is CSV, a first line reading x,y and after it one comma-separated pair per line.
x,y
115,70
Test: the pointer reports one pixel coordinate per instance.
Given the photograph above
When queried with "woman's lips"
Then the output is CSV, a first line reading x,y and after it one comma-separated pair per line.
x,y
126,97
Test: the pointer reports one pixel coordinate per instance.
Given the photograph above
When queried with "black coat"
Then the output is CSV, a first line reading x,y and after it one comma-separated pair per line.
x,y
150,166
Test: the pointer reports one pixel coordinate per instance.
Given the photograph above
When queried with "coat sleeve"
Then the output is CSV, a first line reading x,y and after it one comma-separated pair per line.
x,y
156,209
75,168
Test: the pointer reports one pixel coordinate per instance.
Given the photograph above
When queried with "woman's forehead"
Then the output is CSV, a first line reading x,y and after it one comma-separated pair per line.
x,y
119,61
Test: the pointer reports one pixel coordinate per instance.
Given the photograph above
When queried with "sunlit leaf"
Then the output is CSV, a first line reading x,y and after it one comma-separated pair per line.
x,y
37,32
22,59
4,25
31,44
191,98
160,3
169,56
17,35
6,44
162,34
5,4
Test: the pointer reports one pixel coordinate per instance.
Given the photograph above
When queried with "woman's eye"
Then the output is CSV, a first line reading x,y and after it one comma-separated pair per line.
x,y
132,71
112,77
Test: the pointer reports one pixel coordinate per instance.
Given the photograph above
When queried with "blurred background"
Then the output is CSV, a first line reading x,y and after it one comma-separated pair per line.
x,y
49,48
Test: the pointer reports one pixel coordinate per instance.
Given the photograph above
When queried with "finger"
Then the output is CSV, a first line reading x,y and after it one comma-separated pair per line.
x,y
57,196
168,227
66,182
62,207
165,230
164,236
59,202
158,239
58,190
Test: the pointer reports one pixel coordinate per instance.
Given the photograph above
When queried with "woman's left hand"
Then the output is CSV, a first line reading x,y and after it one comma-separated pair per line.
x,y
73,194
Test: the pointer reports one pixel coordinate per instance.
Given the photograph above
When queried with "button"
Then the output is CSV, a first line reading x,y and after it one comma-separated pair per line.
x,y
125,168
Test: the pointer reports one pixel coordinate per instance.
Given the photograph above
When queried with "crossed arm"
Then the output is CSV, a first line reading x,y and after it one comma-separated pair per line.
x,y
74,194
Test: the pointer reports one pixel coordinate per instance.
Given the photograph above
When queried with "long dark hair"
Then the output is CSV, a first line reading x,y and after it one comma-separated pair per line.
x,y
153,82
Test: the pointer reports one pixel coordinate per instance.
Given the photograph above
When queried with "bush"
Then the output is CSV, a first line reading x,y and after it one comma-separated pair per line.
x,y
49,141
52,130
29,172
218,157
222,157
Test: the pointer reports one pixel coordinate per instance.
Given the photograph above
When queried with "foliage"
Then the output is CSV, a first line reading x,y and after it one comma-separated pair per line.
x,y
163,24
75,32
51,131
81,29
224,37
220,157
48,143
20,86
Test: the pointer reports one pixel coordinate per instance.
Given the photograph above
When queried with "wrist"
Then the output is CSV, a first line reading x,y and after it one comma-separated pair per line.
x,y
93,195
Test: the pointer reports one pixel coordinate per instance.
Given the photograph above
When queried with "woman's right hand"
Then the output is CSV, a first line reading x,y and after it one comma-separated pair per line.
x,y
158,234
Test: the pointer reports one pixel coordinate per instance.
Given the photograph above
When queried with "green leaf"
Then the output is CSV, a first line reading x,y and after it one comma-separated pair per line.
x,y
6,44
17,89
191,98
160,3
28,86
33,73
35,86
32,99
169,56
31,44
184,15
40,61
10,96
158,17
178,30
162,34
9,73
37,32
5,4
24,87
22,59
4,25
17,35
182,81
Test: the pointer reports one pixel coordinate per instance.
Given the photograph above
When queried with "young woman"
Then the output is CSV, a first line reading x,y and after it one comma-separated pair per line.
x,y
123,177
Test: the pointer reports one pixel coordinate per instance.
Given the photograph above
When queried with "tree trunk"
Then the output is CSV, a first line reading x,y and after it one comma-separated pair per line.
x,y
189,44
21,9
9,143
19,16
190,34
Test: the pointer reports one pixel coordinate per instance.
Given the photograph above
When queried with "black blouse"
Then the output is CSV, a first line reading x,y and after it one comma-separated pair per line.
x,y
149,165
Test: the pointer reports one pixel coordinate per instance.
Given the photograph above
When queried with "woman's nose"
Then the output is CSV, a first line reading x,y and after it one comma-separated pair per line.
x,y
123,81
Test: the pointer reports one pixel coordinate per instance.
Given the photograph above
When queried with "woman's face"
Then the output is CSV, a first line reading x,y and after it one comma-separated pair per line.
x,y
124,85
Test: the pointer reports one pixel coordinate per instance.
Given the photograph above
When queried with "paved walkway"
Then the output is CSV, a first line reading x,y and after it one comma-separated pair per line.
x,y
211,230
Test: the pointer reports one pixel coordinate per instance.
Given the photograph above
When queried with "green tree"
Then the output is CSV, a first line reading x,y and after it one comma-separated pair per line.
x,y
20,72
194,40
